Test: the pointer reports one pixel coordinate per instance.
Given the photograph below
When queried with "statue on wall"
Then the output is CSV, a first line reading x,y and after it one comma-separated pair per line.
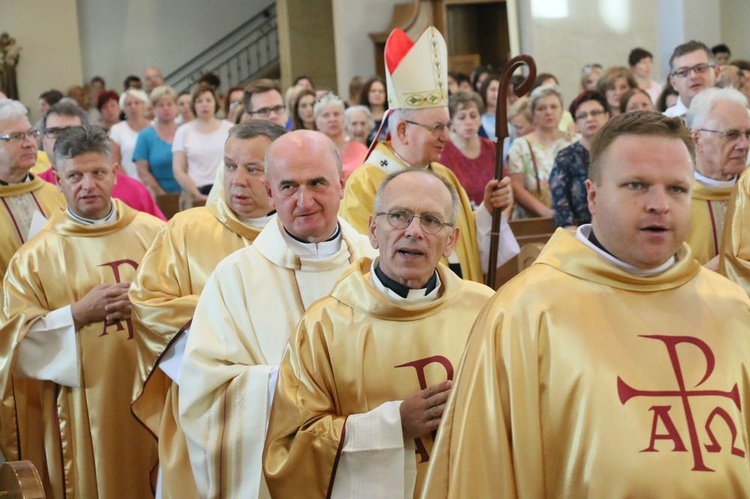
x,y
10,52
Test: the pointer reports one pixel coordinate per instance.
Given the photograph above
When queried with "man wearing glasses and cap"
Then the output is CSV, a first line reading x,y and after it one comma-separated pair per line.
x,y
419,127
692,71
22,193
365,378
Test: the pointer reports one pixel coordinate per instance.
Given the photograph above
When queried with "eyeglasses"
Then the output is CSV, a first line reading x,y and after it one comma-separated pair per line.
x,y
53,133
730,135
594,114
698,69
436,129
19,136
401,219
265,112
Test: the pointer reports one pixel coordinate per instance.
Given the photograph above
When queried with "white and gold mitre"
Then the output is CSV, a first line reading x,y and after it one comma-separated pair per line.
x,y
416,72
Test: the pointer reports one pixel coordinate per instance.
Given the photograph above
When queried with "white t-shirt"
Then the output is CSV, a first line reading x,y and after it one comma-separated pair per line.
x,y
125,137
204,151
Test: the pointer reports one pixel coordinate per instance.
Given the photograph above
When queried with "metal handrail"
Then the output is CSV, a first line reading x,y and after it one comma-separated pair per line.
x,y
247,51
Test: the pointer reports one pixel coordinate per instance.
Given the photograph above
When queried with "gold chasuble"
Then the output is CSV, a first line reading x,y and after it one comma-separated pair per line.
x,y
734,261
582,380
19,201
83,440
164,295
708,208
354,351
244,317
359,204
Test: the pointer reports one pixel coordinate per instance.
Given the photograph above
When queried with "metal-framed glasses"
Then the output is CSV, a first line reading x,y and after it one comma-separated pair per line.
x,y
698,69
19,136
730,135
594,114
431,223
436,129
265,112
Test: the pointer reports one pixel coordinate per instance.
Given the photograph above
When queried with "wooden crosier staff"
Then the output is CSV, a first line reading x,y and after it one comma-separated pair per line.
x,y
501,130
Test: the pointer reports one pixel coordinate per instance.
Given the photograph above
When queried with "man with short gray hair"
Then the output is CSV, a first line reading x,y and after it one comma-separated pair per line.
x,y
22,193
720,126
68,341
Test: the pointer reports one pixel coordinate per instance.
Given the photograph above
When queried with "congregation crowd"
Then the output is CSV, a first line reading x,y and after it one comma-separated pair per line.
x,y
312,321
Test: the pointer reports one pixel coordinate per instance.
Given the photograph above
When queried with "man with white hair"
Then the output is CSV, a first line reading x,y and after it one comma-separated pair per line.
x,y
719,123
22,193
419,126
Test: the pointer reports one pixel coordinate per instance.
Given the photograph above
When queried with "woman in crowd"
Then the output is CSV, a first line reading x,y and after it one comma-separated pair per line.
x,y
302,104
184,110
124,134
488,91
550,80
531,157
642,65
613,84
231,101
198,147
329,119
108,105
567,180
636,100
667,98
358,123
373,97
153,148
469,156
521,122
590,74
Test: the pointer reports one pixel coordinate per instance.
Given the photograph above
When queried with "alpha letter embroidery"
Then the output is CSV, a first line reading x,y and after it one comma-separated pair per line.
x,y
661,413
115,266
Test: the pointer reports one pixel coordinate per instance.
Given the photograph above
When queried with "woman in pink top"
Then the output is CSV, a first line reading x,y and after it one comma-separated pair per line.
x,y
329,119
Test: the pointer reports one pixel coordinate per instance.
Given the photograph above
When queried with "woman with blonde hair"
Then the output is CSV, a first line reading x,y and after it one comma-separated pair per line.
x,y
329,119
134,102
531,157
613,84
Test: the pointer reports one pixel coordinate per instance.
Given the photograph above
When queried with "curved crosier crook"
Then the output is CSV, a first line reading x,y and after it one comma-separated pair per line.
x,y
501,131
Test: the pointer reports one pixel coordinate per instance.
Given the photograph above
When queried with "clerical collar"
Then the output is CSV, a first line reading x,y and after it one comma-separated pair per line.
x,y
399,292
92,221
716,184
401,158
26,178
585,234
323,249
257,222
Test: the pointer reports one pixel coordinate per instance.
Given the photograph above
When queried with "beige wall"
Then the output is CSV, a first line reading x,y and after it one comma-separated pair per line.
x,y
51,56
735,27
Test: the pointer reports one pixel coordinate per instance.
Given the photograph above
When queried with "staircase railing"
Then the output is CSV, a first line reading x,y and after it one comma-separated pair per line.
x,y
240,56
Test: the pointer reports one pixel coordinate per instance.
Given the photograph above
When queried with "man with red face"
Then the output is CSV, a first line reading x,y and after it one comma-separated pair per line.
x,y
250,306
68,349
614,366
719,124
172,276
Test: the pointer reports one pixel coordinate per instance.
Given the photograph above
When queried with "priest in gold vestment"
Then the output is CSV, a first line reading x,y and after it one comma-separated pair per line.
x,y
365,378
22,193
170,279
416,77
717,118
615,366
67,349
250,306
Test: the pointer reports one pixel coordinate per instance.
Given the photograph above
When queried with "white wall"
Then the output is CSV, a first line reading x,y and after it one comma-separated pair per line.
x,y
735,27
48,32
122,37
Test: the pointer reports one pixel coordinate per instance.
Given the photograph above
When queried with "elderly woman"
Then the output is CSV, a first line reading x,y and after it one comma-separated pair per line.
x,y
613,84
153,149
469,156
198,147
329,118
108,105
124,134
358,123
636,100
531,157
567,181
302,103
